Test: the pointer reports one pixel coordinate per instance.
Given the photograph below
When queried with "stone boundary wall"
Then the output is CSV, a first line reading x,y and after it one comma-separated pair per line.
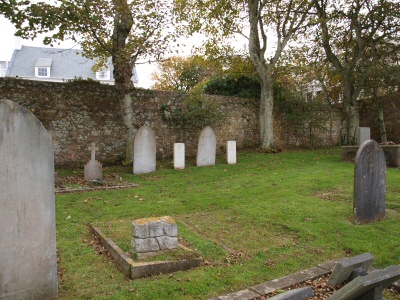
x,y
78,113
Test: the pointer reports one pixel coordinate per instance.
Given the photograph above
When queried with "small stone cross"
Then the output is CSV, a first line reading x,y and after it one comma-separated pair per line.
x,y
93,148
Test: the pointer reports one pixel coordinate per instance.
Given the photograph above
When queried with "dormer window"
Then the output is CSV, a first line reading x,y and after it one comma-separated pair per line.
x,y
42,67
103,75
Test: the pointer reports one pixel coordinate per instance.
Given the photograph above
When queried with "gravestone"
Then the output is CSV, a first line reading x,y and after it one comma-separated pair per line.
x,y
144,151
179,156
207,147
344,268
368,287
231,152
93,170
153,236
369,183
364,134
28,260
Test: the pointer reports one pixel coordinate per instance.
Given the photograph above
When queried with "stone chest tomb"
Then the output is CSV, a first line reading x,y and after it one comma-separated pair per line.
x,y
152,236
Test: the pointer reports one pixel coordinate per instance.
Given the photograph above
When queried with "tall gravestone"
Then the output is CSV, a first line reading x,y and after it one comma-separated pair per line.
x,y
144,151
364,134
179,156
207,147
28,260
369,183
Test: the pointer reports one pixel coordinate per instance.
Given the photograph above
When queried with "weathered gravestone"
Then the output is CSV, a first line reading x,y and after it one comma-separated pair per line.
x,y
231,152
368,287
369,183
28,260
179,156
144,151
345,268
93,170
153,236
364,134
207,147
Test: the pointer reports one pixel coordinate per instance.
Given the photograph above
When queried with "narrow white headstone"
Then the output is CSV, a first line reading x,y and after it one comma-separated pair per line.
x,y
364,134
179,156
231,152
144,151
28,259
207,147
93,170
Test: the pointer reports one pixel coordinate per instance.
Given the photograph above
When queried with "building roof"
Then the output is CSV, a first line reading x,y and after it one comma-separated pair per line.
x,y
66,64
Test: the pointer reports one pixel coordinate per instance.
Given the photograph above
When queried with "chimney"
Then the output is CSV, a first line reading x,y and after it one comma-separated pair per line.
x,y
18,43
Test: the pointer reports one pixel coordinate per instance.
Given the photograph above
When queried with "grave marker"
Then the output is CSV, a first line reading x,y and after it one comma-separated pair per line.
x,y
345,267
207,147
231,152
179,156
144,151
369,183
93,170
152,236
364,134
28,260
368,287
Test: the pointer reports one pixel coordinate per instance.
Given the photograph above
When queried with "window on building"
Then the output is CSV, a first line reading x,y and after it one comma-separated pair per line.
x,y
42,72
42,67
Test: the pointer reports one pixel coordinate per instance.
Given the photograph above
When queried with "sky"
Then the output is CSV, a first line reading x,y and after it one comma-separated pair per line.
x,y
8,43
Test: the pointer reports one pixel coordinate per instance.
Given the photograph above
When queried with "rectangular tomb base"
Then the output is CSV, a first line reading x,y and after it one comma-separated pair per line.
x,y
392,154
142,269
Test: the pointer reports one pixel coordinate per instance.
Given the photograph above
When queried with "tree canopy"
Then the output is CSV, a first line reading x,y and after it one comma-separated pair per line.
x,y
127,31
255,21
356,35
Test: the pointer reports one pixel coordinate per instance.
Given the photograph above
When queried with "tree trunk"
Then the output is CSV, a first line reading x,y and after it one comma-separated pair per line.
x,y
382,127
257,56
351,111
266,114
123,67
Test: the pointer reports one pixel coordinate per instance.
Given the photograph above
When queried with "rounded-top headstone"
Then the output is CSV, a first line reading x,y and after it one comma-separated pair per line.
x,y
369,183
207,147
144,151
28,259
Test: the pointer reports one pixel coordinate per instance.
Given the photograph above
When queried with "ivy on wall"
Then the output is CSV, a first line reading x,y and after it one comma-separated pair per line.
x,y
197,111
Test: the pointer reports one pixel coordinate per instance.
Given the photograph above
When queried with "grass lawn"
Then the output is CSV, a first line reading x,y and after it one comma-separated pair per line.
x,y
265,217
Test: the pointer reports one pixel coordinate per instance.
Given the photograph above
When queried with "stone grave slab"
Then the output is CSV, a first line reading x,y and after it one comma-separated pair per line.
x,y
345,267
207,147
296,294
287,281
144,151
231,152
93,170
368,287
364,134
240,295
179,156
28,259
369,183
